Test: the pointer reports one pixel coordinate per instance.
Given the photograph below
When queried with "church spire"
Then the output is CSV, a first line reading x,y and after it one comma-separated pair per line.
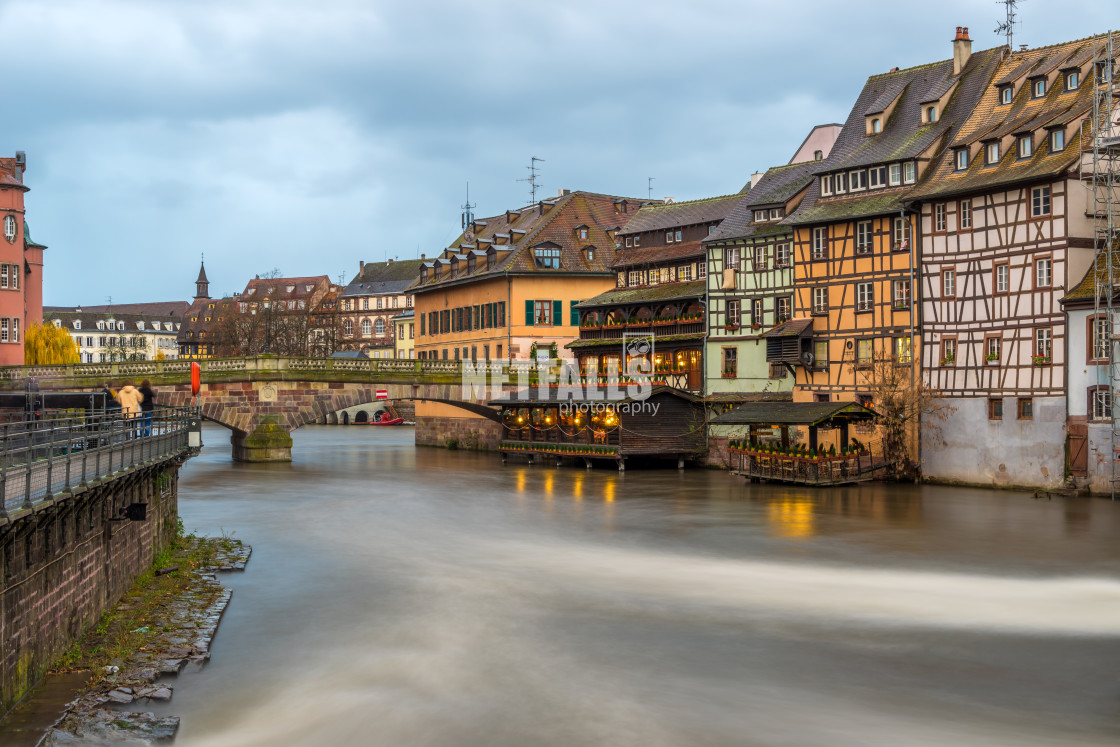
x,y
202,285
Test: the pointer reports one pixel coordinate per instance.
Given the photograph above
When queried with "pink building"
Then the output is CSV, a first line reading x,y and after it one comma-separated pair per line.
x,y
21,264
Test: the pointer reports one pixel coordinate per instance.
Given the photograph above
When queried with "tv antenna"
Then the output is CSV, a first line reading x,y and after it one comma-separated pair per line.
x,y
649,186
532,178
1007,28
468,209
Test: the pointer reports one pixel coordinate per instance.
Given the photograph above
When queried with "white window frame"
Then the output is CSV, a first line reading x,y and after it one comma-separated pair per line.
x,y
949,283
1026,146
782,255
900,294
1043,272
940,217
875,178
865,296
1003,278
1038,88
1057,141
857,180
991,154
819,248
964,217
894,174
1102,404
1044,342
11,229
1073,80
1006,95
962,159
820,299
909,172
1040,201
633,278
826,185
864,237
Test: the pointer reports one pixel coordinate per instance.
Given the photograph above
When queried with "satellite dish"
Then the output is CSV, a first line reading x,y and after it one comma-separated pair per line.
x,y
807,359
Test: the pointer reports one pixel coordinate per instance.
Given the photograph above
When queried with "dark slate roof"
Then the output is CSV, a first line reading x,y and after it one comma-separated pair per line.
x,y
791,328
1085,290
158,308
991,120
733,397
533,395
904,137
349,354
406,314
661,216
776,187
202,273
651,255
657,340
534,225
665,292
384,277
793,413
89,320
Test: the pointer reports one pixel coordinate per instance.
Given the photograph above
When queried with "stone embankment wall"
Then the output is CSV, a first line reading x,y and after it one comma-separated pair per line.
x,y
62,567
467,433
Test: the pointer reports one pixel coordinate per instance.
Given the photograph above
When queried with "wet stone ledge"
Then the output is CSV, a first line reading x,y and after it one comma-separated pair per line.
x,y
102,714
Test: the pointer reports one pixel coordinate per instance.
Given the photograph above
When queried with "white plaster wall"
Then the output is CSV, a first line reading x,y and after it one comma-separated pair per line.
x,y
1008,452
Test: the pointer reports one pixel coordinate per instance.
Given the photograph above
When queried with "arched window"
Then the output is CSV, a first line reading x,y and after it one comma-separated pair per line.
x,y
380,327
365,327
349,327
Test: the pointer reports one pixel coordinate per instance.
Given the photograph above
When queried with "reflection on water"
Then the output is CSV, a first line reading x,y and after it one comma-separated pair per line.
x,y
790,517
403,596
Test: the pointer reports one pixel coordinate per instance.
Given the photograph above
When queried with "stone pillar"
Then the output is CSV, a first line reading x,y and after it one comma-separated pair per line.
x,y
268,443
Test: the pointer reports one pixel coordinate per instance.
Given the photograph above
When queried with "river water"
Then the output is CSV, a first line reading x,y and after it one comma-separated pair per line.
x,y
405,596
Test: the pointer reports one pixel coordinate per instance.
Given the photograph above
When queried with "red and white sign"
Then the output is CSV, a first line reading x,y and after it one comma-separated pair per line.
x,y
383,394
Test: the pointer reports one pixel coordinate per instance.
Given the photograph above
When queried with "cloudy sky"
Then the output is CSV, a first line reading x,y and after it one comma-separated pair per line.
x,y
306,136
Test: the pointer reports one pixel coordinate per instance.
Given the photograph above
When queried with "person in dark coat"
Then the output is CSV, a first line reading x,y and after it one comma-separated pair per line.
x,y
148,405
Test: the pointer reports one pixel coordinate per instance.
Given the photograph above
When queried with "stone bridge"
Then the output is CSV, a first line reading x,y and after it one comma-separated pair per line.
x,y
263,399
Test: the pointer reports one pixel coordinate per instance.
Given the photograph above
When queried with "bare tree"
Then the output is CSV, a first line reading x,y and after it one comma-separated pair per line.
x,y
904,403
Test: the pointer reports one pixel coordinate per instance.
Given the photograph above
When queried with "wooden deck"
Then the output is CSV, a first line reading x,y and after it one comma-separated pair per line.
x,y
822,471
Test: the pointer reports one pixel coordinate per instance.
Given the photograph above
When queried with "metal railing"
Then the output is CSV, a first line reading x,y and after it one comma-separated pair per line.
x,y
59,453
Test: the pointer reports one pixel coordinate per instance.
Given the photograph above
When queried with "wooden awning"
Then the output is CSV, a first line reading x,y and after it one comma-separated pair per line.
x,y
795,413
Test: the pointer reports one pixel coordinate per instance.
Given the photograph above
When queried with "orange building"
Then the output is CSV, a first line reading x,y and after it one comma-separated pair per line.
x,y
854,234
21,264
507,288
512,282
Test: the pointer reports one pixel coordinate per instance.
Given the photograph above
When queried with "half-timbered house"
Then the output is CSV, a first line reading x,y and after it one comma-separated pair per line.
x,y
854,234
659,291
1005,234
750,283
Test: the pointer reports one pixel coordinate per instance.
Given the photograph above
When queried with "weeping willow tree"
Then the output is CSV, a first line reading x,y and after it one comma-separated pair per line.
x,y
46,344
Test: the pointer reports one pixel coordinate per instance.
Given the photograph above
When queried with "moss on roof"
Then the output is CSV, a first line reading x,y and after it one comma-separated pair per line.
x,y
666,292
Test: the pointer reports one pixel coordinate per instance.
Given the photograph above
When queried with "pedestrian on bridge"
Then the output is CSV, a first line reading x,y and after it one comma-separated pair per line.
x,y
130,398
148,405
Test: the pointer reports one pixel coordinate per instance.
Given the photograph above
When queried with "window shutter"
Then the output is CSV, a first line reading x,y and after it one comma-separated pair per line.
x,y
574,314
529,313
558,312
421,325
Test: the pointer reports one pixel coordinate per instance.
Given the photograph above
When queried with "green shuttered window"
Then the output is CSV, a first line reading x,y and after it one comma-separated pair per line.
x,y
529,313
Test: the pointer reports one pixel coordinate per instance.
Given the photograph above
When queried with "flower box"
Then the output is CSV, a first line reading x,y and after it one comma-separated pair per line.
x,y
1041,360
731,327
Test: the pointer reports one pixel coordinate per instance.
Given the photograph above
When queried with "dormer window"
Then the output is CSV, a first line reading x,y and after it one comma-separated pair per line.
x,y
290,288
1073,79
961,159
637,240
895,177
490,261
876,126
931,114
1026,146
1104,71
454,267
826,185
909,172
857,181
140,325
1057,140
1006,93
629,241
56,322
251,291
307,288
101,325
668,237
77,324
590,255
120,325
818,155
840,183
1038,88
547,258
991,153
775,213
878,177
581,233
470,264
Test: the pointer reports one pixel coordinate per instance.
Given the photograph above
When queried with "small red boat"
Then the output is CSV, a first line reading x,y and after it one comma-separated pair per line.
x,y
388,416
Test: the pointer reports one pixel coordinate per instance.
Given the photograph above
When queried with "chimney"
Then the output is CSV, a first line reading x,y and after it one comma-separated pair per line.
x,y
389,261
563,192
21,164
755,177
962,49
423,256
361,266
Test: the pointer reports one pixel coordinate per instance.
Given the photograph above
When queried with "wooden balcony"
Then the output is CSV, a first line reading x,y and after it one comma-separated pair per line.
x,y
658,329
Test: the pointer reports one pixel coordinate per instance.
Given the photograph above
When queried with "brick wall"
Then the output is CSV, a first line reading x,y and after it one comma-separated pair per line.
x,y
60,568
